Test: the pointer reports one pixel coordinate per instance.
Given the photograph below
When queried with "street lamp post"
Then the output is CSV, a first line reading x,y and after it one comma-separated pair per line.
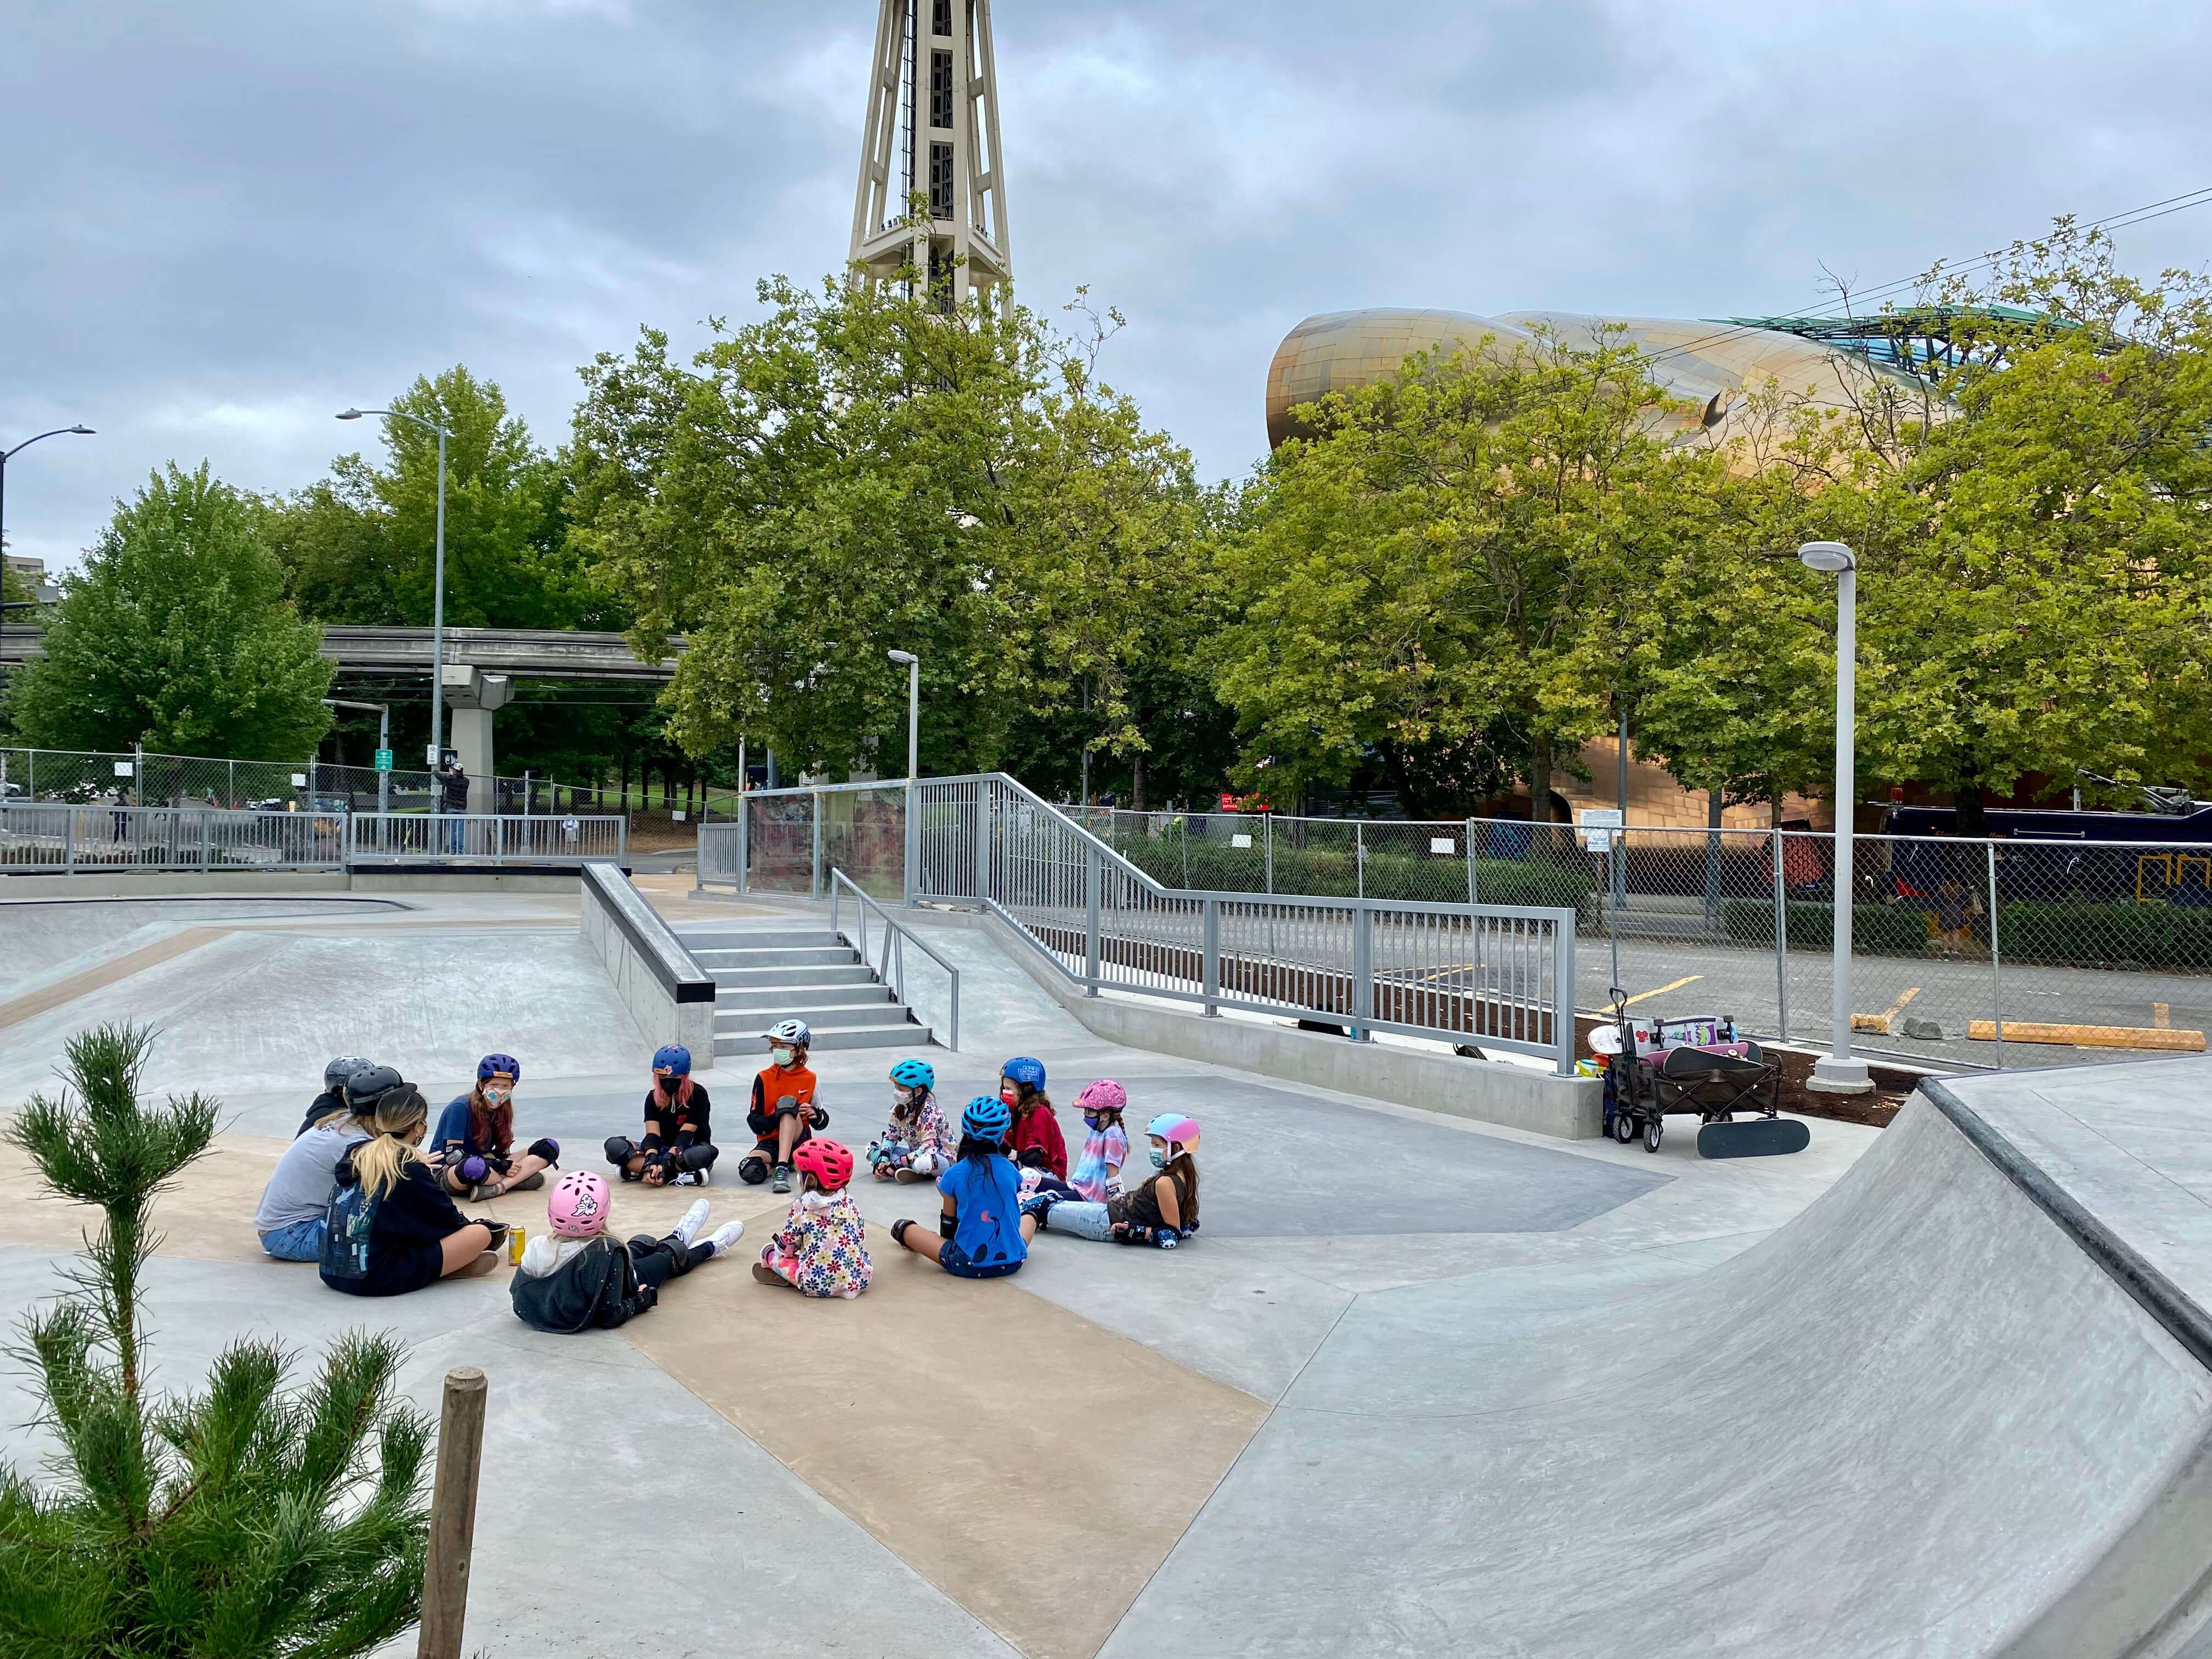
x,y
438,585
912,764
6,455
1837,1072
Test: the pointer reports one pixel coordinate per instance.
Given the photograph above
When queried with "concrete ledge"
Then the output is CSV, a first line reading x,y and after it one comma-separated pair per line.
x,y
1515,1096
162,884
667,993
373,880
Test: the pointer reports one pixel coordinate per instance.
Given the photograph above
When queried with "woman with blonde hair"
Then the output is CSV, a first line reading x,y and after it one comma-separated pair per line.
x,y
391,1229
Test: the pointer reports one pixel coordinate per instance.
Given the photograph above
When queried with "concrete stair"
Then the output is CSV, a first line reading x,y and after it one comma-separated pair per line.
x,y
796,970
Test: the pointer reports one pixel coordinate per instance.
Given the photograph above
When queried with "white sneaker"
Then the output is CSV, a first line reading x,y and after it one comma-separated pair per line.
x,y
726,1235
693,1218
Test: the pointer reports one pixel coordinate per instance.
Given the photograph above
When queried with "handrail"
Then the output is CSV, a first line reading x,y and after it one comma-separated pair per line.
x,y
893,930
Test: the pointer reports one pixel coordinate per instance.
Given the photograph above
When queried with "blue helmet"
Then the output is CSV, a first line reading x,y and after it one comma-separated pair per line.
x,y
987,1118
674,1057
915,1074
1022,1069
492,1064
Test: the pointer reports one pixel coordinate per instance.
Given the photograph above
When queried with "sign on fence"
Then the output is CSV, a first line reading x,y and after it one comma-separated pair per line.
x,y
123,768
1444,844
1594,826
384,760
1240,841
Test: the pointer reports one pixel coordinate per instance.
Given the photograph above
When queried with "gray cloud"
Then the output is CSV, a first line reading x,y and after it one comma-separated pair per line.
x,y
220,223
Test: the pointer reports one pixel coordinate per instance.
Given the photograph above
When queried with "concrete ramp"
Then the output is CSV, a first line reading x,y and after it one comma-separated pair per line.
x,y
1960,1407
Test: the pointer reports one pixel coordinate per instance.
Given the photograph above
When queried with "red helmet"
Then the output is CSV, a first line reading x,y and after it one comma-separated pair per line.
x,y
827,1161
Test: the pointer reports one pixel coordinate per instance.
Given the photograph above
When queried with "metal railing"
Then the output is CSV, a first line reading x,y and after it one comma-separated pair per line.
x,y
47,838
497,840
135,778
1494,976
889,962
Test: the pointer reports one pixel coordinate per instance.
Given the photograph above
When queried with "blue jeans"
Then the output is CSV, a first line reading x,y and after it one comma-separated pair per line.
x,y
301,1241
1084,1220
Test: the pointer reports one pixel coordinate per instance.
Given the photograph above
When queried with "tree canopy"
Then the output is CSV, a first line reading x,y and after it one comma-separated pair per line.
x,y
177,635
867,469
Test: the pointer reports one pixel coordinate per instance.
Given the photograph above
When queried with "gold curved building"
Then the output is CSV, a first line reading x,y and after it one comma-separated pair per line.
x,y
1704,364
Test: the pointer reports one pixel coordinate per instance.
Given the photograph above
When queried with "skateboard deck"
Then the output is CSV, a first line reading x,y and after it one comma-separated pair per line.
x,y
1755,1137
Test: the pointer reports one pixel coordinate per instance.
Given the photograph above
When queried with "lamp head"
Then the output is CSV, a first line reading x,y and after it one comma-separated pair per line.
x,y
1832,556
349,415
903,659
81,431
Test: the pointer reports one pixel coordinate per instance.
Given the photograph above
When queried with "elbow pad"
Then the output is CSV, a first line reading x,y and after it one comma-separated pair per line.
x,y
947,1224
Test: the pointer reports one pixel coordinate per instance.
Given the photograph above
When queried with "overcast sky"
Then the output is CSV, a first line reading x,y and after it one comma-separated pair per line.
x,y
221,222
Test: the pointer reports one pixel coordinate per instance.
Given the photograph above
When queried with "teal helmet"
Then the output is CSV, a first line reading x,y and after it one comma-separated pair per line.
x,y
987,1118
915,1074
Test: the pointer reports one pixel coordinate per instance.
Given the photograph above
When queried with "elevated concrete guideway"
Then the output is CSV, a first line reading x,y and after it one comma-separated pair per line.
x,y
523,654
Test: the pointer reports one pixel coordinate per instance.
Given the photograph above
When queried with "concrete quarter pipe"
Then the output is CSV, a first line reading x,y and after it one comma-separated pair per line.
x,y
1961,1406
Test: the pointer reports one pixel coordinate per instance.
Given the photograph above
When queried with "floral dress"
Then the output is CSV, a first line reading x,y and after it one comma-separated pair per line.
x,y
906,1140
822,1248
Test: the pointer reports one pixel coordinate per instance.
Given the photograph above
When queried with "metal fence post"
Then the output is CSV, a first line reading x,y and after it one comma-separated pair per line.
x,y
206,834
912,842
1093,879
1471,888
816,890
1996,974
1267,823
744,837
1563,993
1359,859
1780,944
1363,971
1210,972
69,838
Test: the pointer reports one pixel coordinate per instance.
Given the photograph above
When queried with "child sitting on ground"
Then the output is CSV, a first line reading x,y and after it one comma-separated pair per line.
x,y
917,1143
1161,1211
1034,1140
783,1112
474,1141
679,1148
577,1278
982,1233
822,1248
1097,1177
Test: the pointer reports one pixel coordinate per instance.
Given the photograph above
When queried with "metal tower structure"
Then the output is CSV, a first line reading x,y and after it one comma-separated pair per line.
x,y
932,127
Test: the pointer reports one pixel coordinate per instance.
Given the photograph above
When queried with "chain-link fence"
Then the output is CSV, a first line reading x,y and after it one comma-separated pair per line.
x,y
76,777
2003,951
791,841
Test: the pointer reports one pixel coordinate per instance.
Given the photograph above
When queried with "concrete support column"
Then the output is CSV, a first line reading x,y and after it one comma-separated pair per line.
x,y
471,738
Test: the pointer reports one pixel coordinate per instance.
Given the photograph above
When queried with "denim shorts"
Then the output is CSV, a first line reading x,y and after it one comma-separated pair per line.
x,y
954,1260
301,1241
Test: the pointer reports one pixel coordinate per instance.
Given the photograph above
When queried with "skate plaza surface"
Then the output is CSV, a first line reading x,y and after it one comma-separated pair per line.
x,y
1418,1386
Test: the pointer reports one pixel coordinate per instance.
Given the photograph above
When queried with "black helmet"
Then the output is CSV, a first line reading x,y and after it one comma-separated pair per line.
x,y
336,1073
370,1084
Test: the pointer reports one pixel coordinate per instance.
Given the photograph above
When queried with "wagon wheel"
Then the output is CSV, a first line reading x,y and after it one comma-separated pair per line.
x,y
1653,1128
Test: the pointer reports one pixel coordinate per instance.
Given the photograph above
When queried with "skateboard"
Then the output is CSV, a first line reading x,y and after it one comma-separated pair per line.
x,y
1755,1137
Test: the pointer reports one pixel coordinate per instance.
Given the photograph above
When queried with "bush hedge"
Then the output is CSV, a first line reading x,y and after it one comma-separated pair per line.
x,y
2148,935
1213,866
1876,929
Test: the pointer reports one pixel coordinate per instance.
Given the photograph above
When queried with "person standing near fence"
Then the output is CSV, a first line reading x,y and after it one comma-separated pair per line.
x,y
453,794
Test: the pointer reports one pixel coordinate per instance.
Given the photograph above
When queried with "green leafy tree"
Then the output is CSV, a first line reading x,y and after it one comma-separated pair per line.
x,y
1445,564
14,589
245,1520
867,469
2036,548
178,635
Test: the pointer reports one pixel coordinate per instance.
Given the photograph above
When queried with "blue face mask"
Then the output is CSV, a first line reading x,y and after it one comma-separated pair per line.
x,y
1159,1158
1090,1120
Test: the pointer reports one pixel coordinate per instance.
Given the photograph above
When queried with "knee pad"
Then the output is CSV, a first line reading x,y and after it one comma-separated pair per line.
x,y
923,1164
698,1158
548,1149
474,1169
620,1149
752,1169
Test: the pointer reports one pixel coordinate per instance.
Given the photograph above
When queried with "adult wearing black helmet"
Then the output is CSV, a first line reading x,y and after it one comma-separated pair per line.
x,y
332,1100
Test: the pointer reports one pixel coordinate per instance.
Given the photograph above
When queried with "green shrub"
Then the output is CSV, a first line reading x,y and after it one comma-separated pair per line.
x,y
251,1519
2150,935
1208,865
1881,930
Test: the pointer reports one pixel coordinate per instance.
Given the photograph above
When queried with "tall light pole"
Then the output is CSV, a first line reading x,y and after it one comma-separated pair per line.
x,y
6,455
1837,1072
913,840
438,584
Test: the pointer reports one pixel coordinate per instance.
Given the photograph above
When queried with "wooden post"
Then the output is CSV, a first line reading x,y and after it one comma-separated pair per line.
x,y
452,1515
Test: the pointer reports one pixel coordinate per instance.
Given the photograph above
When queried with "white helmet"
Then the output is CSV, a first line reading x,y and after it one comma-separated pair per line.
x,y
792,1032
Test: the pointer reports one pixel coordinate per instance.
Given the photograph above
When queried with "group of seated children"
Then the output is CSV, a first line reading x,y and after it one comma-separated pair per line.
x,y
360,1194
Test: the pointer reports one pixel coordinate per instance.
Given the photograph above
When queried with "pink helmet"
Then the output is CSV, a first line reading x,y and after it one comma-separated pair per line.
x,y
577,1208
1103,1096
1180,1133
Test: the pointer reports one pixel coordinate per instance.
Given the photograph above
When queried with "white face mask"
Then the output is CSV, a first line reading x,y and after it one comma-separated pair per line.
x,y
780,1056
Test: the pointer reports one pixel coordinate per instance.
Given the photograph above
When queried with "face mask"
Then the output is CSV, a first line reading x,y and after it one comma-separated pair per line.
x,y
780,1056
1011,1096
903,1100
497,1097
1090,1120
1159,1158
